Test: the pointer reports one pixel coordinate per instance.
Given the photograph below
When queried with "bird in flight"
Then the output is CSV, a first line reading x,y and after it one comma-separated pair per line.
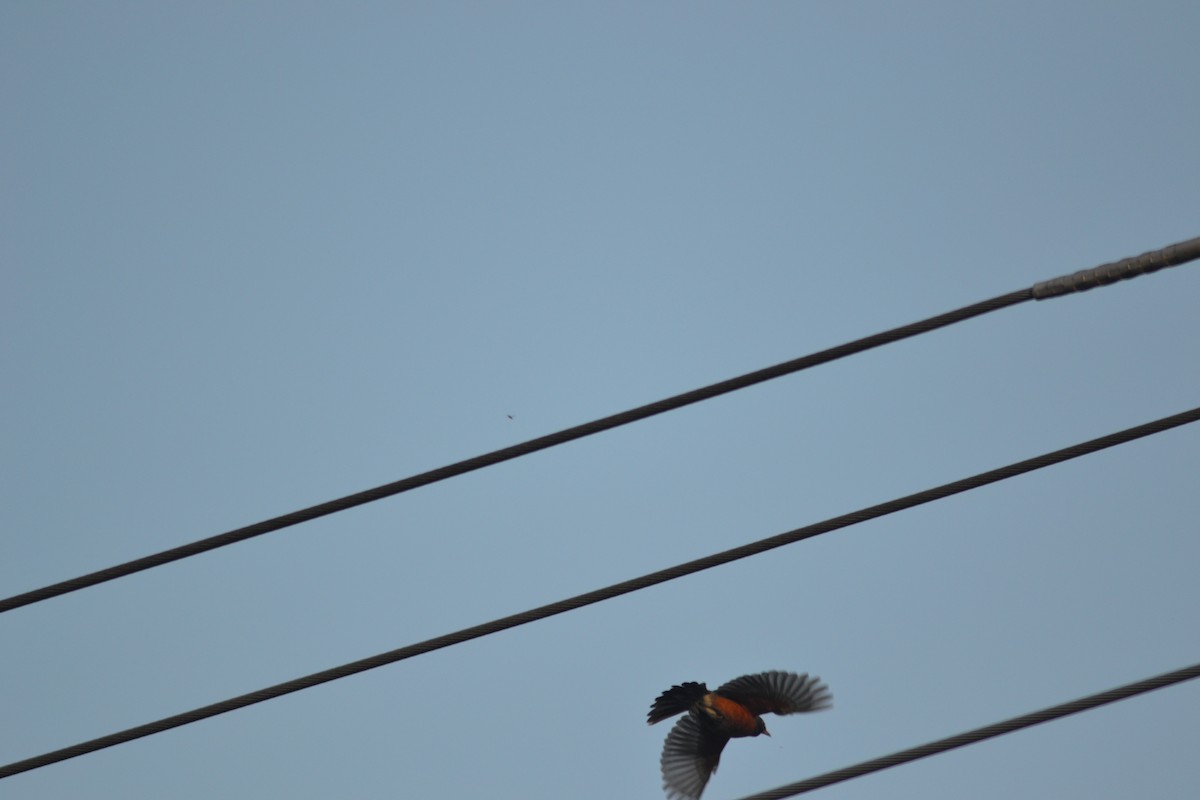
x,y
710,719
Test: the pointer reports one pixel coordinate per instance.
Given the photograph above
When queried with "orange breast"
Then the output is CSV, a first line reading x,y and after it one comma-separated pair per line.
x,y
731,718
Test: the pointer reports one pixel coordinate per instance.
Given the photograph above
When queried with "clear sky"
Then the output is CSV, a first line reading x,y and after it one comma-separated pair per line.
x,y
260,255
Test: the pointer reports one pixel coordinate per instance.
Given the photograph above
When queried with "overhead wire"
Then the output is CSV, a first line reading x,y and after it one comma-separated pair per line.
x,y
1151,261
606,593
980,734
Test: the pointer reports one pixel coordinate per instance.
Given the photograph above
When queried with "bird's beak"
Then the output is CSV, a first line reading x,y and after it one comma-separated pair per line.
x,y
766,732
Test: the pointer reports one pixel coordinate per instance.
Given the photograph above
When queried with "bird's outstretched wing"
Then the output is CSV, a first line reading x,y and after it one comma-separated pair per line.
x,y
676,700
778,693
690,757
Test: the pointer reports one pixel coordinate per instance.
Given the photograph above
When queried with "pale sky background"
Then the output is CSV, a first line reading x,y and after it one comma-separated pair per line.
x,y
260,255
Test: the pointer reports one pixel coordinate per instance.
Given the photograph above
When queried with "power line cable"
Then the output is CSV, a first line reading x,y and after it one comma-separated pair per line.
x,y
1124,269
979,734
606,593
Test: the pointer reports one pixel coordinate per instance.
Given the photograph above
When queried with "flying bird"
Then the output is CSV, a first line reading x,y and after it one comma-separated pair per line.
x,y
710,719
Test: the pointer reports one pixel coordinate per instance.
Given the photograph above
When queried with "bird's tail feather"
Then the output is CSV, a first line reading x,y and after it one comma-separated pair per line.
x,y
675,700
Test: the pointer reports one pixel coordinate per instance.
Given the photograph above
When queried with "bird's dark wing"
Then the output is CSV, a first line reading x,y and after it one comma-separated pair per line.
x,y
675,700
778,692
689,757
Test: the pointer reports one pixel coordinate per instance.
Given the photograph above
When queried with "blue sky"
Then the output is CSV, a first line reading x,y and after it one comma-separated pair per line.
x,y
257,256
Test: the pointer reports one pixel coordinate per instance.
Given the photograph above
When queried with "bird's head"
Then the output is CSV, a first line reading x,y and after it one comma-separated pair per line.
x,y
761,728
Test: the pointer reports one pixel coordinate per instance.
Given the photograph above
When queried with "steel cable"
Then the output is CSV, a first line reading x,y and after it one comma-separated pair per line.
x,y
606,593
979,734
1152,261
